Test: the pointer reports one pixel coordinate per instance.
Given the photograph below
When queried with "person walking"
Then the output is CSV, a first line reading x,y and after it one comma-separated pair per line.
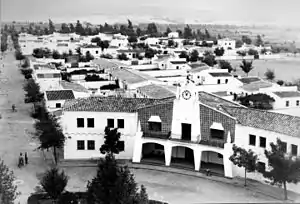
x,y
26,158
21,161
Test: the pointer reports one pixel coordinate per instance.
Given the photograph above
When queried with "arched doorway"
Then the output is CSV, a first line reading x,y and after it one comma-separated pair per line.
x,y
213,161
153,153
182,157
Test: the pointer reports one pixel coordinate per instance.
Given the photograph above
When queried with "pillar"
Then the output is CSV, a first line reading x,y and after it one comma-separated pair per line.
x,y
168,154
228,170
138,147
197,158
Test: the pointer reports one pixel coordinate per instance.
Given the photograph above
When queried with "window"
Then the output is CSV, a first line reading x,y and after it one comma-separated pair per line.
x,y
90,123
219,81
262,142
261,166
110,123
80,122
80,144
121,146
226,81
252,140
97,51
287,103
177,67
297,103
120,123
91,145
154,126
284,147
217,134
294,150
58,105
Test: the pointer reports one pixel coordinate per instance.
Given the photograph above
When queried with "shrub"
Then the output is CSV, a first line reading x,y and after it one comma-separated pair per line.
x,y
94,77
109,87
26,71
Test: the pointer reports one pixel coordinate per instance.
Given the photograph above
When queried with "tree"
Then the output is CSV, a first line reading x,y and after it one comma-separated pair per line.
x,y
89,56
96,40
257,101
194,56
33,94
171,43
284,168
132,39
270,74
122,56
244,158
168,30
238,43
184,54
64,28
49,133
252,52
113,184
19,55
187,32
112,142
207,34
259,41
241,53
246,66
51,27
149,53
26,63
225,65
219,51
79,29
8,191
246,39
104,44
152,29
138,32
54,183
56,55
280,82
209,59
72,28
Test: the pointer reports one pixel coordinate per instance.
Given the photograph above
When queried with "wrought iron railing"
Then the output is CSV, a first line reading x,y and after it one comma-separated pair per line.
x,y
155,134
213,142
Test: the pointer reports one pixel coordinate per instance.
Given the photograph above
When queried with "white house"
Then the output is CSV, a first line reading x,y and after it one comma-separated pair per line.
x,y
94,50
285,99
168,63
152,41
121,43
173,35
55,99
210,76
79,91
226,43
47,79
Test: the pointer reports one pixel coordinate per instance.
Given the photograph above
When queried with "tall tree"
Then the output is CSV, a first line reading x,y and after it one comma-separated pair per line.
x,y
33,93
64,28
225,65
207,34
270,74
187,33
284,168
113,184
56,55
54,183
247,66
244,158
152,29
194,56
168,31
72,28
112,142
219,51
79,29
246,39
259,41
8,191
49,133
209,59
51,27
138,32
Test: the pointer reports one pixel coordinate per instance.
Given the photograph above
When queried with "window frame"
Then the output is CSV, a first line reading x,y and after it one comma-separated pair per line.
x,y
297,102
56,105
123,123
89,143
82,146
254,136
78,126
261,142
113,122
287,103
292,148
89,121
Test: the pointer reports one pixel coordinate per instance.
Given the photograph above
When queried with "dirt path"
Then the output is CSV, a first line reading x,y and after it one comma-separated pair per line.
x,y
15,129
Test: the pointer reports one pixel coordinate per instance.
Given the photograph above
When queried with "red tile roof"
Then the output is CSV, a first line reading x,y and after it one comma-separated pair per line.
x,y
59,95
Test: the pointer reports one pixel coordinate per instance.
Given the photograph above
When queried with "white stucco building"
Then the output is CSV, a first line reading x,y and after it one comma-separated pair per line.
x,y
226,43
94,50
55,99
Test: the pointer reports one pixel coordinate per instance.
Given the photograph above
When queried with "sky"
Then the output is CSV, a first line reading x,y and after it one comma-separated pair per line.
x,y
273,12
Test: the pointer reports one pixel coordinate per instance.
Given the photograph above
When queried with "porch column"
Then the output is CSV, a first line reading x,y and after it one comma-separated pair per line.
x,y
197,158
168,153
228,171
138,147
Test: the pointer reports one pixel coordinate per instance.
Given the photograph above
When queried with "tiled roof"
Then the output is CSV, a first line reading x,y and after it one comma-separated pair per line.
x,y
197,65
110,104
59,95
220,74
156,91
274,122
248,80
287,94
255,86
73,86
214,101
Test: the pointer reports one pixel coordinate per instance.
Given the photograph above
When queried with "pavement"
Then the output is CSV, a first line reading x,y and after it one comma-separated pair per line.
x,y
15,129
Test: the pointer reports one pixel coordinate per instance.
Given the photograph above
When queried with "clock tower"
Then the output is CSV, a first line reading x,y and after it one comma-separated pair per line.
x,y
187,93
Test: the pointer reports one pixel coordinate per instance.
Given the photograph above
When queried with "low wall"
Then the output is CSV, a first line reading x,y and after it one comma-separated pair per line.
x,y
94,84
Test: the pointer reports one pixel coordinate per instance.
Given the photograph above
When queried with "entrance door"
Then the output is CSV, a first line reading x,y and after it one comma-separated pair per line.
x,y
189,154
186,130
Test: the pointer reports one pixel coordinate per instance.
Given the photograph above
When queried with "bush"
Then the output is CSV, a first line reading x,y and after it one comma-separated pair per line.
x,y
94,77
109,87
26,71
28,76
280,82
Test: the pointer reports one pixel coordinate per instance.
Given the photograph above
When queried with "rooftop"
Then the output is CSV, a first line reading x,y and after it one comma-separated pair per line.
x,y
131,76
197,65
214,101
178,62
287,94
59,95
255,86
270,121
221,93
220,74
73,86
110,104
105,64
248,80
156,91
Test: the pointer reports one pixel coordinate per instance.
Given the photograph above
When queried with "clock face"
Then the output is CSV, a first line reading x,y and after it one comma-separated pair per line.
x,y
186,95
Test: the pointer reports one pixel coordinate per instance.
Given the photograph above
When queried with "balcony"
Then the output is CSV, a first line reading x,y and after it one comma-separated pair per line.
x,y
213,142
156,134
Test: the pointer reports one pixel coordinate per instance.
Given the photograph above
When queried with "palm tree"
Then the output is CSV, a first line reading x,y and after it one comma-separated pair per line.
x,y
246,66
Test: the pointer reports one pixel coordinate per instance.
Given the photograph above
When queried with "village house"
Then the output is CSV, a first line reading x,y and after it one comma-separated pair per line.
x,y
210,76
131,53
156,91
55,99
94,50
226,43
173,35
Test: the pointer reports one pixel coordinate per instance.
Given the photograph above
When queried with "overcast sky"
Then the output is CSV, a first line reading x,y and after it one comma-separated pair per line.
x,y
252,11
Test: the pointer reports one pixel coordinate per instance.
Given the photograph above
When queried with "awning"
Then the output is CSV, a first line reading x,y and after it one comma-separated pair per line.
x,y
217,126
154,118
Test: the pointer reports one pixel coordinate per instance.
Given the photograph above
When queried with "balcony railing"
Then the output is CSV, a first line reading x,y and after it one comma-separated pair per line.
x,y
154,134
213,142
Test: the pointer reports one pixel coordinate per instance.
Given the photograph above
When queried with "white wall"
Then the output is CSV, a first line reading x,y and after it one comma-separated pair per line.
x,y
52,104
96,52
94,84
